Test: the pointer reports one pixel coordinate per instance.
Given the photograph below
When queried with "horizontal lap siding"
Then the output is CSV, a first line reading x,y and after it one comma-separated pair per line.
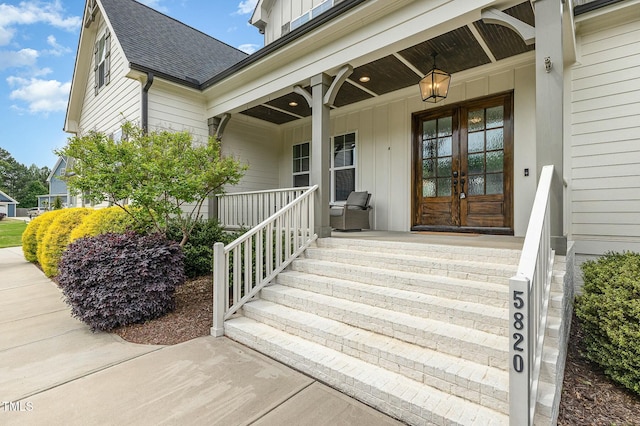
x,y
117,101
605,143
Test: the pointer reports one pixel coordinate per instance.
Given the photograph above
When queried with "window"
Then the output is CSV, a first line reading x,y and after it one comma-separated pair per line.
x,y
343,166
301,161
102,62
311,14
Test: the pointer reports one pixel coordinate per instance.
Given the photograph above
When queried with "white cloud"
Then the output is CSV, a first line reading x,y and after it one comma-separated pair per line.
x,y
33,12
41,96
58,49
248,48
20,58
246,7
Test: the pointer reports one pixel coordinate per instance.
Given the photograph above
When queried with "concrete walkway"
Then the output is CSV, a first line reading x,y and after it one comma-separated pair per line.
x,y
54,371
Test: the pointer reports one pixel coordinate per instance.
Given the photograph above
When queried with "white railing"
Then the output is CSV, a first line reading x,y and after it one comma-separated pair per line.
x,y
244,267
528,303
247,209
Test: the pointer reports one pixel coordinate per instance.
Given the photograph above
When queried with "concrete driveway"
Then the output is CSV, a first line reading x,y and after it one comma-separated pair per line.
x,y
55,371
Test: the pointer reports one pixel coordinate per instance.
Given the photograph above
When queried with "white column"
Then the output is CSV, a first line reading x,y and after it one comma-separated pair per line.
x,y
549,107
320,154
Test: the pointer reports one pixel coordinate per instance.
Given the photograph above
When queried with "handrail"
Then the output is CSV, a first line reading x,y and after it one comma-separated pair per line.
x,y
245,266
247,209
529,300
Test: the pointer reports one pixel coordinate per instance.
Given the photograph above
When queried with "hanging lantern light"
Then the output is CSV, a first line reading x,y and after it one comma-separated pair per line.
x,y
434,86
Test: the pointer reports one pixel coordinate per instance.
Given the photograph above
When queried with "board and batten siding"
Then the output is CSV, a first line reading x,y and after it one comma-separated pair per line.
x,y
605,135
383,141
117,101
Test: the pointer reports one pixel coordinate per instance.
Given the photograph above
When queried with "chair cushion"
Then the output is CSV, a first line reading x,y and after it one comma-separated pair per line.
x,y
357,200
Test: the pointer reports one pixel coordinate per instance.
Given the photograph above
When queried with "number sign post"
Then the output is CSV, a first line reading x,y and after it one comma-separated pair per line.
x,y
519,366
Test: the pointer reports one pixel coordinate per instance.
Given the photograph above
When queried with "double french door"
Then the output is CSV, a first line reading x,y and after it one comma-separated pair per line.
x,y
463,167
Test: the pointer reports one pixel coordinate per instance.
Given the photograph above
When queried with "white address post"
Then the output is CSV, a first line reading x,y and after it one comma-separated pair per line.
x,y
519,355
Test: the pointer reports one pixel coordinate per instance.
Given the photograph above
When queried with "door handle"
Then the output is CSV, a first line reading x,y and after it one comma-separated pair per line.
x,y
455,174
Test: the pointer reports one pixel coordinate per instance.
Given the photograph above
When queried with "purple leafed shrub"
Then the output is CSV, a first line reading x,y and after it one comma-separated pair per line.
x,y
118,279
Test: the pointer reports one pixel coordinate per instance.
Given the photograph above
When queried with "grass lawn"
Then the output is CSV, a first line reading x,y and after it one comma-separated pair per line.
x,y
11,232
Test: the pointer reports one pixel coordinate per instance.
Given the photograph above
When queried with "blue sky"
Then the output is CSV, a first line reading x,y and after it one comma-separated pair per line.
x,y
38,41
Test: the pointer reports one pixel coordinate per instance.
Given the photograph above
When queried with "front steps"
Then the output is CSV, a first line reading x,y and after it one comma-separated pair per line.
x,y
418,331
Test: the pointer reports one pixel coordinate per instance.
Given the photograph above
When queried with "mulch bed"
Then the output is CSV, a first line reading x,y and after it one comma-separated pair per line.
x,y
588,396
192,317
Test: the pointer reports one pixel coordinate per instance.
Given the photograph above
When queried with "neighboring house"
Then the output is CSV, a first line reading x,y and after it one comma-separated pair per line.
x,y
332,99
57,187
7,205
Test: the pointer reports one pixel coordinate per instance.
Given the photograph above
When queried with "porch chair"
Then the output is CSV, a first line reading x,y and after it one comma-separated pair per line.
x,y
353,215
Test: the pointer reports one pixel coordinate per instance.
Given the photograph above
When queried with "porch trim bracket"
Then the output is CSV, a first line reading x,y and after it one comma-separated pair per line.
x,y
495,16
217,125
344,73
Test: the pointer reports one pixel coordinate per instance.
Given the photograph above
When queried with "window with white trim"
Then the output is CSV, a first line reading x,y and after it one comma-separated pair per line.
x,y
102,54
301,163
343,166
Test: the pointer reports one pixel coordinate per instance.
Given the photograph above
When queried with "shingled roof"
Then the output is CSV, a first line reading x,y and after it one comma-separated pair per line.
x,y
157,43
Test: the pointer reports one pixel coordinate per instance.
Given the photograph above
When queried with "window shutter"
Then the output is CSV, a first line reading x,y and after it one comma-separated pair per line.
x,y
95,68
107,59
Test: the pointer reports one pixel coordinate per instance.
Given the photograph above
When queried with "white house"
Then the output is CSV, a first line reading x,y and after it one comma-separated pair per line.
x,y
333,100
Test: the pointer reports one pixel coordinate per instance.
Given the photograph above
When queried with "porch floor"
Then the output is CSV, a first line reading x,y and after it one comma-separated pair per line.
x,y
447,238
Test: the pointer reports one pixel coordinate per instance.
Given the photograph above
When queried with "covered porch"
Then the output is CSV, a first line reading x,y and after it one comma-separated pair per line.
x,y
347,115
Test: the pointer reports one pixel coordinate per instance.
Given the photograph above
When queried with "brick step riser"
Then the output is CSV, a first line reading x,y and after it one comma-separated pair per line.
x,y
430,339
472,254
427,309
425,266
418,284
437,376
406,405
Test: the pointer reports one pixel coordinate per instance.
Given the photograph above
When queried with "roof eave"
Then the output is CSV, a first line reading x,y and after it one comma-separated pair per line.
x,y
283,41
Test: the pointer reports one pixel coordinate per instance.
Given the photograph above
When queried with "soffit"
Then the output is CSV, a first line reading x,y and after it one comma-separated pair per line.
x,y
466,47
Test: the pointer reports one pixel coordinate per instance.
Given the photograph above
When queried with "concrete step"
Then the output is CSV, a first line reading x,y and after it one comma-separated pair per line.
x,y
454,252
454,288
463,378
478,316
389,392
453,268
478,346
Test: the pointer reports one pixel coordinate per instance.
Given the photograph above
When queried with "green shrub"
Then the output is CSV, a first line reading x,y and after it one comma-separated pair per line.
x,y
45,221
198,250
119,279
609,312
57,238
102,221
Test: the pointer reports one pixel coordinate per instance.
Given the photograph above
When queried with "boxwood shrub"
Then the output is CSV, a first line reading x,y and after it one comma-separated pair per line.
x,y
609,312
56,239
198,250
102,221
118,279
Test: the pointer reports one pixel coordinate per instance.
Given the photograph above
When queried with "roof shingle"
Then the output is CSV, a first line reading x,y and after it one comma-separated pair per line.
x,y
160,43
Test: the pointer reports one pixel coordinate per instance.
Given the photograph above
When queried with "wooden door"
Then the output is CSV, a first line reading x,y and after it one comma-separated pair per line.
x,y
463,167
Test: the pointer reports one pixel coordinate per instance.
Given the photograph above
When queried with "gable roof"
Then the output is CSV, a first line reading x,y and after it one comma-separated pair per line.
x,y
154,42
61,162
4,198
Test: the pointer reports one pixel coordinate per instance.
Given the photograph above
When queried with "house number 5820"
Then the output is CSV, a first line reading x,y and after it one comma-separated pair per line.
x,y
518,324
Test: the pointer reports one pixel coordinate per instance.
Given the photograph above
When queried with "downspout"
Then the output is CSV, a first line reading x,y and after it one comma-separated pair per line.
x,y
145,102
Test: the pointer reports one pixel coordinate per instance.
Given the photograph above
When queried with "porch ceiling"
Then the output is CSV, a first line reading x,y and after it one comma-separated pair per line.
x,y
464,48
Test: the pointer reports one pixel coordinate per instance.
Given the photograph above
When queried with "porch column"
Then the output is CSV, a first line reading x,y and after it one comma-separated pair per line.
x,y
320,152
549,107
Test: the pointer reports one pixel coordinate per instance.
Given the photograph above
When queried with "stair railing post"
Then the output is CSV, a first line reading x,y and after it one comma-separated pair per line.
x,y
519,351
219,293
